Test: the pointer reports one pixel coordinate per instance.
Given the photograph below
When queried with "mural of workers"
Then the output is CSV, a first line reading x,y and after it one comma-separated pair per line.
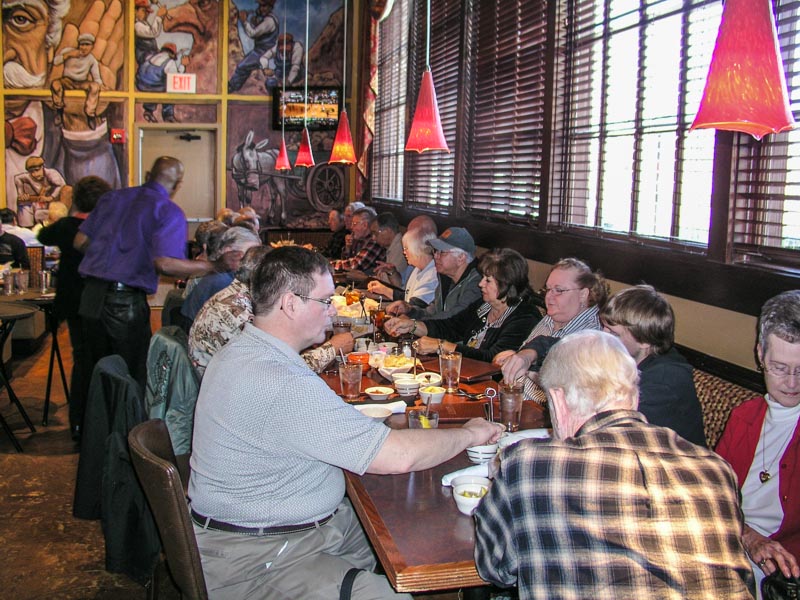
x,y
285,58
146,30
81,72
262,28
36,188
152,77
34,31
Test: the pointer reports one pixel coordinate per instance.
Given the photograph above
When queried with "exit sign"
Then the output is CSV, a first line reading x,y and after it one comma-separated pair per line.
x,y
181,83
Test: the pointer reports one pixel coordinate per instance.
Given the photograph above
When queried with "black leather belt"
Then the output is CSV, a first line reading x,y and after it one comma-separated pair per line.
x,y
118,286
209,523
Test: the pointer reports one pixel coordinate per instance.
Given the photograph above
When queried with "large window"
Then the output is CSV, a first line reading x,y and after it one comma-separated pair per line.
x,y
575,117
631,82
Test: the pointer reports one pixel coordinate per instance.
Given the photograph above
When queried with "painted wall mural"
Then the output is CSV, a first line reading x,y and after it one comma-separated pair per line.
x,y
74,55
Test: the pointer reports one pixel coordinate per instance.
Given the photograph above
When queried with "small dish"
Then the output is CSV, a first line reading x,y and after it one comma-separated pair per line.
x,y
379,393
429,378
481,454
379,413
431,394
468,491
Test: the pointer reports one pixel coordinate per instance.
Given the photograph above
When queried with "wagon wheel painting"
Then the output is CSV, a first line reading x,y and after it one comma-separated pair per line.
x,y
322,185
325,187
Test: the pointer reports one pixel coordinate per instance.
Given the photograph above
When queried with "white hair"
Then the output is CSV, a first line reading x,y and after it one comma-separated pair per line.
x,y
595,371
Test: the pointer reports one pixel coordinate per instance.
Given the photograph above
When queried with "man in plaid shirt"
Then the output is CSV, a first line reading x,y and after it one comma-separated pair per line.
x,y
612,507
364,253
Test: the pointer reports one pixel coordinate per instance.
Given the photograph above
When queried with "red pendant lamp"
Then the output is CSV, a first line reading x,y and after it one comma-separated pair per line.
x,y
282,161
746,86
304,156
426,128
343,151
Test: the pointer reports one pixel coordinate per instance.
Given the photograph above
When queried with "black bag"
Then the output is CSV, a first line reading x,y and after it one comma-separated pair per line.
x,y
778,587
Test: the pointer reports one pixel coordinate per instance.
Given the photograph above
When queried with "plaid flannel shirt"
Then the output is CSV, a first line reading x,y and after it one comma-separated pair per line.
x,y
624,509
364,256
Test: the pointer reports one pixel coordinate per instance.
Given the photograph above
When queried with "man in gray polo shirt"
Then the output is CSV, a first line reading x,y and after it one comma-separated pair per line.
x,y
270,446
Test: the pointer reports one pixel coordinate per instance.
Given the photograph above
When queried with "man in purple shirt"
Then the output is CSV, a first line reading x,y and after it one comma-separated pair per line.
x,y
132,236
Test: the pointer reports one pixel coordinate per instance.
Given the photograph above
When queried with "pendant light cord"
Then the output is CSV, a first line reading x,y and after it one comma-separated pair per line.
x,y
305,103
428,40
344,59
283,91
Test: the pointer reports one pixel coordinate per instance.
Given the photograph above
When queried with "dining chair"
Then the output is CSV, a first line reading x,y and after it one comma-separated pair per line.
x,y
155,465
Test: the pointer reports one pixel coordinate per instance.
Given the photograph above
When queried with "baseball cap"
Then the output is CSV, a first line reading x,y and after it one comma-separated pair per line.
x,y
85,38
454,237
145,4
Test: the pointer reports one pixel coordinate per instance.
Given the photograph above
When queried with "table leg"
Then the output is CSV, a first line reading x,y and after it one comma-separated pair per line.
x,y
10,433
55,352
5,331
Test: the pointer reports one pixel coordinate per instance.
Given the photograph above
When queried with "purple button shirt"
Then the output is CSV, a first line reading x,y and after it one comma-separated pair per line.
x,y
130,228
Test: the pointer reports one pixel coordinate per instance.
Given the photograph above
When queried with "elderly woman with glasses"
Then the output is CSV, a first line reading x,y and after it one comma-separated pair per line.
x,y
762,444
573,295
500,319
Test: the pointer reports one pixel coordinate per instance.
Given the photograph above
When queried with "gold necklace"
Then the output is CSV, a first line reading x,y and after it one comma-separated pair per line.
x,y
765,474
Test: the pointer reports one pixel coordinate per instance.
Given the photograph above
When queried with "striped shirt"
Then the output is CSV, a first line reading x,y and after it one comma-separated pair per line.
x,y
587,319
623,510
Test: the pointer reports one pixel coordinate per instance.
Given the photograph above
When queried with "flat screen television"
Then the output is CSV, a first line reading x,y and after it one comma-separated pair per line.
x,y
324,104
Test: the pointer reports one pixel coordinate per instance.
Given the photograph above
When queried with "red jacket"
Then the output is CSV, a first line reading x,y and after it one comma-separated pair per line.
x,y
738,446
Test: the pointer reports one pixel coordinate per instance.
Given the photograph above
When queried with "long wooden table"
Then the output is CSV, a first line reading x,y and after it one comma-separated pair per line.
x,y
423,542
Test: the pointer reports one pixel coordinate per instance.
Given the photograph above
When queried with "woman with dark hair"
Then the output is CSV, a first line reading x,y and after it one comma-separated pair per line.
x,y
69,287
499,320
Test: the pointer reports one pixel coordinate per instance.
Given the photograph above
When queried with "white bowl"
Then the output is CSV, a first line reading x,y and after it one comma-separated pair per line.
x,y
379,392
431,394
379,413
429,378
397,377
481,454
468,483
406,384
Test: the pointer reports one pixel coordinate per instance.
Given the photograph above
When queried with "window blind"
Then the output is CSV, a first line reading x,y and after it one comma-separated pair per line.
x,y
504,166
388,155
632,76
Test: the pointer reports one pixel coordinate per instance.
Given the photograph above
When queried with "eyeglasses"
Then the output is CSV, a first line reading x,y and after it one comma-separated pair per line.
x,y
781,371
557,291
325,301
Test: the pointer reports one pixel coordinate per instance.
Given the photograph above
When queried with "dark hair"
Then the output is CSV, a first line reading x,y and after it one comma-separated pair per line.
x,y
285,269
388,220
510,270
87,192
594,282
7,216
206,229
780,316
250,261
645,313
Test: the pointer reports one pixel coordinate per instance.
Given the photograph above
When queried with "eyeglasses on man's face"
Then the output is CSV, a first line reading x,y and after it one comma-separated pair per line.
x,y
325,301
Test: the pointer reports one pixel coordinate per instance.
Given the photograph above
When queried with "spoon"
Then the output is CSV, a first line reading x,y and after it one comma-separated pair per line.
x,y
471,396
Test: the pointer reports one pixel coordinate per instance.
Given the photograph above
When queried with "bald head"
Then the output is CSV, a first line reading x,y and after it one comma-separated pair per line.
x,y
423,224
168,172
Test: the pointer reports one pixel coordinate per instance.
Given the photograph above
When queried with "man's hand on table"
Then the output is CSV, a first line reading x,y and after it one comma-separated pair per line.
x,y
483,432
398,326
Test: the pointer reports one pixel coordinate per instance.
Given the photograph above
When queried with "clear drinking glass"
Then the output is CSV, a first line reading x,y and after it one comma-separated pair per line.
x,y
350,380
511,396
450,370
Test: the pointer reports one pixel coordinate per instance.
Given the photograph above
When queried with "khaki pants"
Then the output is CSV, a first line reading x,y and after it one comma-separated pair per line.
x,y
308,565
91,88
